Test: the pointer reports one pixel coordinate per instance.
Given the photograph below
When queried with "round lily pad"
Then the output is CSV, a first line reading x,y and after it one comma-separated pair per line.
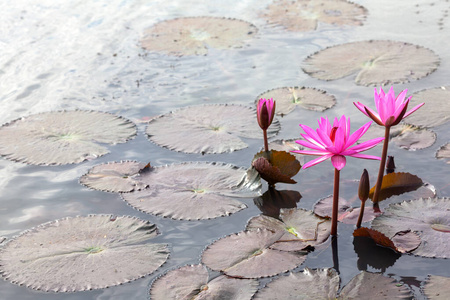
x,y
191,282
308,98
428,217
247,254
116,176
375,62
309,284
444,152
63,137
82,253
304,15
207,128
436,110
301,228
194,191
437,287
194,35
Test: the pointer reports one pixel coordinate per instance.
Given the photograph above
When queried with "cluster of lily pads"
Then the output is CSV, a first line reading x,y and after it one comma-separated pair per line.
x,y
281,238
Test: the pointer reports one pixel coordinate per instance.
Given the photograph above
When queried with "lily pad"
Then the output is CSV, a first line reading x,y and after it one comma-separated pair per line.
x,y
117,177
404,241
194,35
207,128
444,152
428,217
191,282
82,253
271,202
436,110
247,255
301,229
375,62
309,284
437,287
346,213
405,136
308,98
397,184
276,166
63,137
304,15
194,191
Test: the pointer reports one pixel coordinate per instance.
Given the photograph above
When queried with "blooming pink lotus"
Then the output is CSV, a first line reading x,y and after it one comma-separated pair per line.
x,y
390,109
335,142
265,112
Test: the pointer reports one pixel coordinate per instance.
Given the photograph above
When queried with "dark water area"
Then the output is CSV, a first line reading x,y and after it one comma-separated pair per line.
x,y
86,55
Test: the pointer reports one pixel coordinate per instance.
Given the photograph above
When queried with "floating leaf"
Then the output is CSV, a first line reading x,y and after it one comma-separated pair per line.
x,y
301,228
444,152
273,200
115,177
247,255
368,285
371,254
309,284
373,62
308,98
194,35
191,282
194,191
207,128
437,287
63,137
424,216
82,253
276,166
397,184
404,241
346,213
304,15
436,110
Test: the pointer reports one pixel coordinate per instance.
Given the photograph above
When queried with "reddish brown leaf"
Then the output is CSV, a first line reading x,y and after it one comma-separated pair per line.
x,y
397,184
276,166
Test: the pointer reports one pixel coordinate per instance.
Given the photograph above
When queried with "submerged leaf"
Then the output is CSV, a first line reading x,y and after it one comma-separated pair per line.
x,y
308,98
374,62
207,128
304,15
397,184
436,110
194,191
82,253
276,166
63,137
424,216
247,255
191,282
117,177
194,35
437,287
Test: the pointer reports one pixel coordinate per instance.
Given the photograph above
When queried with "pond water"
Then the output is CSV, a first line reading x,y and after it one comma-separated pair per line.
x,y
86,55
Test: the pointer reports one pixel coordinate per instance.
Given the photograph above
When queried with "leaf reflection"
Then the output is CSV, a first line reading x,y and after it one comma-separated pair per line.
x,y
370,254
273,200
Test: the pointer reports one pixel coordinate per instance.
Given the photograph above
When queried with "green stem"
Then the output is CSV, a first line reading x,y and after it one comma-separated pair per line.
x,y
266,144
334,215
376,194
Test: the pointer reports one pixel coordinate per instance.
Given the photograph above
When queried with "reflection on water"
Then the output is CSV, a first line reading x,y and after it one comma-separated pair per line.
x,y
86,55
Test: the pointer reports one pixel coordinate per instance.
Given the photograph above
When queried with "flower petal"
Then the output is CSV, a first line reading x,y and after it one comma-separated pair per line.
x,y
308,144
311,152
357,134
367,145
361,107
316,161
413,110
365,156
338,161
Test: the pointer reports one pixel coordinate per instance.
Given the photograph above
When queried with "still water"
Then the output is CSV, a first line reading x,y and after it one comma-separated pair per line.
x,y
87,55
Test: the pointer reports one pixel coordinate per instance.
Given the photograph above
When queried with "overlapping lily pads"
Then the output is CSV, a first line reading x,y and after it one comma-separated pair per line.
x,y
82,253
375,62
288,98
247,254
324,284
304,15
63,137
194,35
403,241
194,191
436,110
207,128
116,177
428,217
191,282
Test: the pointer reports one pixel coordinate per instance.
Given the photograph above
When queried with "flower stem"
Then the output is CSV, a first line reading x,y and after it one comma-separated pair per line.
x,y
334,248
361,214
334,215
266,144
376,194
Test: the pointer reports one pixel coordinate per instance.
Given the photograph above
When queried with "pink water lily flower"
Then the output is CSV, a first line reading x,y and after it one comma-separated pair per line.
x,y
335,142
265,112
390,109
